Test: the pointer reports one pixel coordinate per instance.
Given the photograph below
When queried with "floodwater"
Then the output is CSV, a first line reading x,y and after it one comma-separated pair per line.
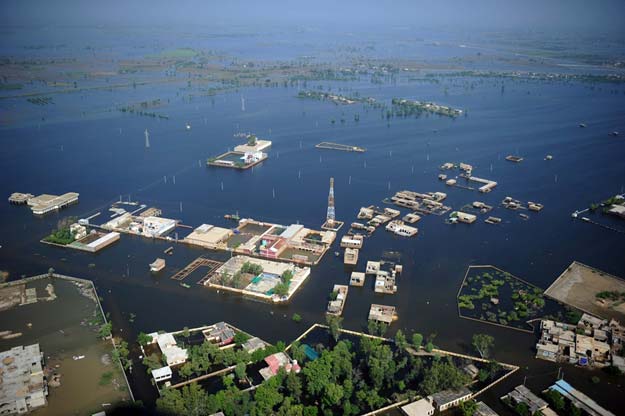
x,y
102,156
57,325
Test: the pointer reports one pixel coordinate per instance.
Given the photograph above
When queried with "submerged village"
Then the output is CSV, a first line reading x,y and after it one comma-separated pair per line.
x,y
308,238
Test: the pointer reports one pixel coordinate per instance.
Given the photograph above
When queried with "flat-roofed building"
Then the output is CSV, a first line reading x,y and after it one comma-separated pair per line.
x,y
157,226
45,203
447,399
22,384
357,279
208,235
422,407
162,374
382,313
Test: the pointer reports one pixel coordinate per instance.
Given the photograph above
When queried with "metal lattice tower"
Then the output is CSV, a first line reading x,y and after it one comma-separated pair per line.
x,y
147,139
331,214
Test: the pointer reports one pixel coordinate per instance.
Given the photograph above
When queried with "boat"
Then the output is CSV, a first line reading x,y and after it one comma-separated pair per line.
x,y
524,216
157,265
337,254
78,357
185,285
582,125
234,217
188,126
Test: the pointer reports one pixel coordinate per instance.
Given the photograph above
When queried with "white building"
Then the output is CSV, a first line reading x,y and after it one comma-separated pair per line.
x,y
172,352
157,226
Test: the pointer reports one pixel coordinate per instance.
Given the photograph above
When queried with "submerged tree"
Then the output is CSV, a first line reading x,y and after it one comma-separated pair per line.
x,y
482,343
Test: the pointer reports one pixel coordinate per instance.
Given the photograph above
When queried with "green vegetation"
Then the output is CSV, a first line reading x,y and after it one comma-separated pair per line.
x,y
61,236
251,268
499,297
343,380
281,289
482,343
106,378
296,318
143,339
334,323
105,330
251,140
468,408
405,108
611,295
417,340
40,100
240,338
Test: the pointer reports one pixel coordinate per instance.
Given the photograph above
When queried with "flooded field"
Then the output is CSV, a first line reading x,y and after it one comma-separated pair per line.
x,y
65,329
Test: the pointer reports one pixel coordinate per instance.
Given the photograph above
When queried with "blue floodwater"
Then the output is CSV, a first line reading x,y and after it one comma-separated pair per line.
x,y
85,145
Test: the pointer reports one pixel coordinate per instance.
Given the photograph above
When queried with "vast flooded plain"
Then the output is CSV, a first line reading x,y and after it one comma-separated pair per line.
x,y
82,142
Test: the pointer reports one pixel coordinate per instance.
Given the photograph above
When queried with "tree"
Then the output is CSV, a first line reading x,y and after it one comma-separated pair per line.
x,y
152,362
333,394
443,375
105,330
334,323
144,339
482,343
186,370
286,277
281,289
267,396
240,371
417,340
429,347
400,340
293,385
296,318
468,408
240,338
185,332
555,399
298,352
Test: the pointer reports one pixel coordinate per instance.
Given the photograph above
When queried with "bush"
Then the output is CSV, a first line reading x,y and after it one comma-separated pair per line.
x,y
296,318
240,338
106,378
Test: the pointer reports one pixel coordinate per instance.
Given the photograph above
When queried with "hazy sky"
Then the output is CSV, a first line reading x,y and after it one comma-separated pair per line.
x,y
541,15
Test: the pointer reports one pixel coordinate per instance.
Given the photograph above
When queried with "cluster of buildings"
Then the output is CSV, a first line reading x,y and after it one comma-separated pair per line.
x,y
375,217
514,204
44,203
398,227
92,241
535,404
146,224
220,334
428,203
295,242
244,155
22,384
592,342
486,185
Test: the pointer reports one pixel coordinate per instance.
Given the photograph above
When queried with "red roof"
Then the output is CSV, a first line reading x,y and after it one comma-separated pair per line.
x,y
273,362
